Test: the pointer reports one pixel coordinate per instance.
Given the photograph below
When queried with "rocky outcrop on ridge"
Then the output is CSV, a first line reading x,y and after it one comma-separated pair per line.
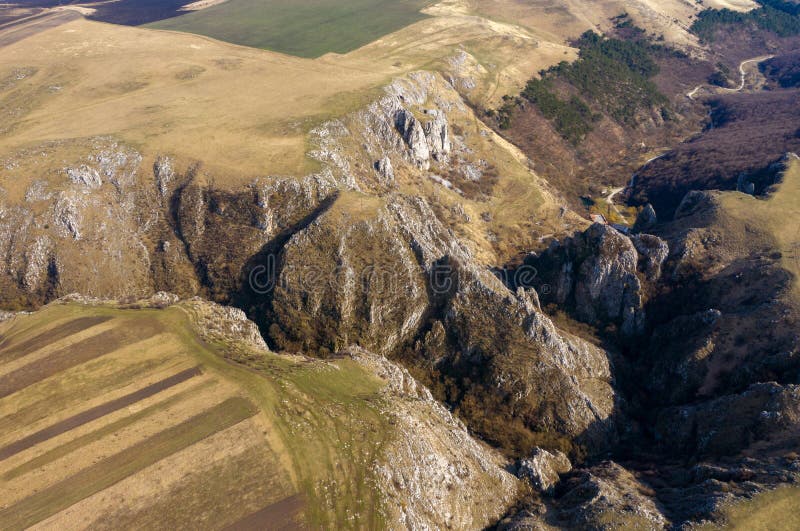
x,y
433,474
82,230
596,274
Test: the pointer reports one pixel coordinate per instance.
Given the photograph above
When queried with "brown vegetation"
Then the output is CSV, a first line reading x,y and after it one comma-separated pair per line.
x,y
748,133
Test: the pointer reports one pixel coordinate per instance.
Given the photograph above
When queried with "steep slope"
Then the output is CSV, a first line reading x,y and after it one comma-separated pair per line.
x,y
360,253
740,150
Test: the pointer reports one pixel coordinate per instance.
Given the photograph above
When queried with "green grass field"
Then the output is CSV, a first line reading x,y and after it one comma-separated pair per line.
x,y
305,28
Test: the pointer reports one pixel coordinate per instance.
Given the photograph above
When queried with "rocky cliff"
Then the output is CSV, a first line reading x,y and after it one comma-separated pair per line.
x,y
602,275
387,248
354,254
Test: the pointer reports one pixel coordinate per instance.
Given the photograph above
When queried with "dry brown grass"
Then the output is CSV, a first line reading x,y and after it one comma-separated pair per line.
x,y
776,216
243,112
558,21
774,510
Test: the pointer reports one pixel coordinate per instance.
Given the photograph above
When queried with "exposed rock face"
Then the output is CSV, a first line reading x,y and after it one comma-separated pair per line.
x,y
425,142
434,475
606,287
37,258
595,273
385,170
67,214
693,202
373,281
410,121
80,229
744,185
414,136
85,176
340,259
437,134
542,469
680,354
607,497
646,219
164,175
224,324
725,323
525,520
730,424
344,281
653,251
562,383
224,233
720,367
462,71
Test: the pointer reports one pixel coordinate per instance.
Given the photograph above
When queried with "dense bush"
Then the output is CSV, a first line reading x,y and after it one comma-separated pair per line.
x,y
572,118
489,412
776,16
721,76
783,70
606,69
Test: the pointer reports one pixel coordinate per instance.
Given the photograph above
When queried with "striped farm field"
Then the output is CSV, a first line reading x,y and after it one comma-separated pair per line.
x,y
123,419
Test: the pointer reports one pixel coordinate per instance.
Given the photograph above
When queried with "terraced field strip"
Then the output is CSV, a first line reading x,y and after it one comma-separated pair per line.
x,y
278,516
9,351
76,354
51,401
114,469
95,413
109,429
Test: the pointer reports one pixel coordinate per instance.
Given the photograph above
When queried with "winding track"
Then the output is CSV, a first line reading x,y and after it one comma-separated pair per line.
x,y
742,72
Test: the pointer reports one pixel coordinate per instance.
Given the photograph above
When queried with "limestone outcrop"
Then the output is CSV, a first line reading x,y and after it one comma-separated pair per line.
x,y
542,469
595,274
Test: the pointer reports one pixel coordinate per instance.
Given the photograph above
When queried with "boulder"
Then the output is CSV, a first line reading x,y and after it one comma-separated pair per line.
x,y
653,251
646,219
385,171
542,469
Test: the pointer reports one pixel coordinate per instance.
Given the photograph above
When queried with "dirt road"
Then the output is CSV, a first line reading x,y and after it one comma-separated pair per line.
x,y
742,73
